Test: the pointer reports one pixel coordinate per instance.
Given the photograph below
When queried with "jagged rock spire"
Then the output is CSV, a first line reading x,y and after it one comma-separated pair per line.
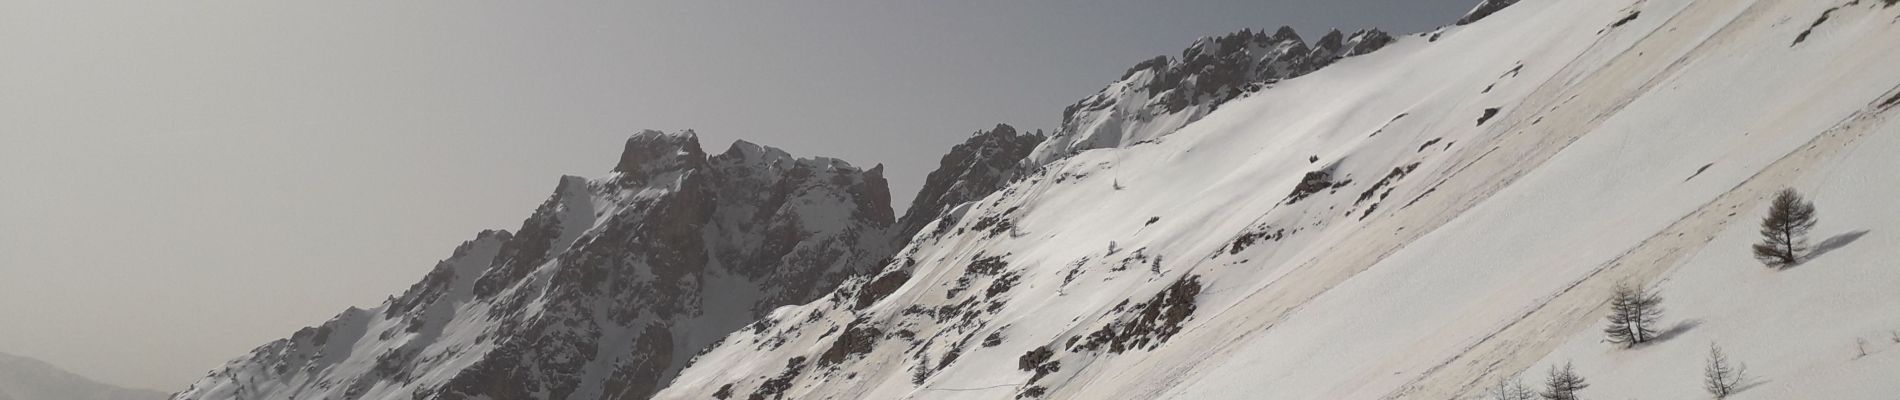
x,y
1286,33
983,164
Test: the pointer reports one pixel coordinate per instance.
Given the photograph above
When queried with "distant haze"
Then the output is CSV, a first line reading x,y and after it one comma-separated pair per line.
x,y
183,181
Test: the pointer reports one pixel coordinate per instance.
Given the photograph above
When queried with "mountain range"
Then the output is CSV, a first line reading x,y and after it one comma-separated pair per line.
x,y
1362,216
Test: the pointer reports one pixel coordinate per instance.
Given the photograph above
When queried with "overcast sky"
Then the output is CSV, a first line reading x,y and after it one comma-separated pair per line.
x,y
183,181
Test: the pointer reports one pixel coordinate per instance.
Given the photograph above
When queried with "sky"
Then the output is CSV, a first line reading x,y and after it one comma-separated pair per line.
x,y
183,181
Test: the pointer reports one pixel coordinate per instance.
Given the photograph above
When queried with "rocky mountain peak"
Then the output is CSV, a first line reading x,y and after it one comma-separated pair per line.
x,y
1286,33
651,151
1331,42
1484,9
752,153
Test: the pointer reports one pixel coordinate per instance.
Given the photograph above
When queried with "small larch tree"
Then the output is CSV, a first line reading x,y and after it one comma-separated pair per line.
x,y
1633,316
1720,377
1563,383
1784,231
1510,388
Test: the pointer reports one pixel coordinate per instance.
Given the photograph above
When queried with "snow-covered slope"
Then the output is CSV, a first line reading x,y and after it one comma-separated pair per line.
x,y
1412,223
24,378
604,292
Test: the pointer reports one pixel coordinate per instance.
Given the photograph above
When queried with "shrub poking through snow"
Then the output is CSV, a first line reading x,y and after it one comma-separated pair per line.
x,y
1563,383
1784,231
1633,315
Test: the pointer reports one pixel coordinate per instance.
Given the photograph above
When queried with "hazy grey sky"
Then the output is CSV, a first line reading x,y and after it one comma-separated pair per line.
x,y
183,181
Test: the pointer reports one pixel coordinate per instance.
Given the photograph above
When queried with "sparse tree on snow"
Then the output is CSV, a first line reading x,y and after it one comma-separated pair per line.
x,y
1563,383
1510,388
1784,231
1720,377
1633,316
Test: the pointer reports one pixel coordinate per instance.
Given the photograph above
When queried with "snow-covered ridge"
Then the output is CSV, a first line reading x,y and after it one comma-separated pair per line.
x,y
1160,95
603,291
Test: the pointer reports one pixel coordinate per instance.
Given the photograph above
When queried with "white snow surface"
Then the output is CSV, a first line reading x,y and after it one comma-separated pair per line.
x,y
1622,149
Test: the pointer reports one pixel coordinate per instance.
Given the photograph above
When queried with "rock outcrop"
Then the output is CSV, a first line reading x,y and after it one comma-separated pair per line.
x,y
983,164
